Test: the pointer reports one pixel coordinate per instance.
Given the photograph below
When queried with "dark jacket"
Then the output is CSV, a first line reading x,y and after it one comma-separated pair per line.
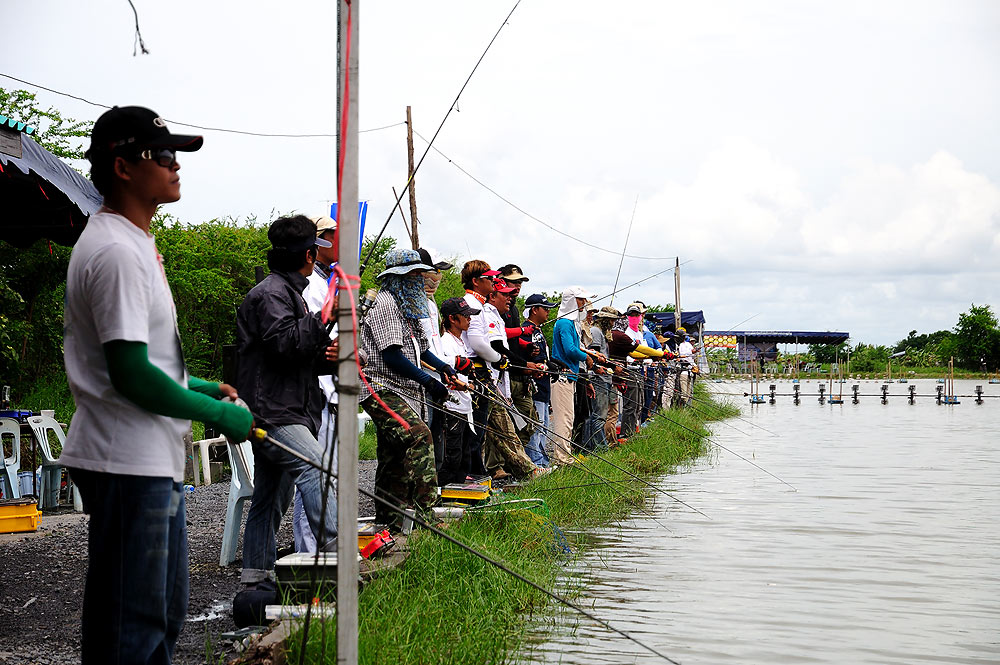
x,y
281,352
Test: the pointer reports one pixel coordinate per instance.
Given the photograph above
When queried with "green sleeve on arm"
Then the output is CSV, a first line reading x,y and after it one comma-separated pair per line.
x,y
149,388
210,388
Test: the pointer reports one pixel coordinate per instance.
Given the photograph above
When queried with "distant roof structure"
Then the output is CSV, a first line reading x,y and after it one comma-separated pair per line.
x,y
783,336
688,318
40,195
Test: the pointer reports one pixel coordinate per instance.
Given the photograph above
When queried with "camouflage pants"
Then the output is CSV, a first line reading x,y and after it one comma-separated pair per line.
x,y
405,473
503,449
521,397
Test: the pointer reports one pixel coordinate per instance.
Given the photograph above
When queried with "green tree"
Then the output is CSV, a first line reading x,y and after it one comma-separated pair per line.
x,y
828,353
977,338
63,137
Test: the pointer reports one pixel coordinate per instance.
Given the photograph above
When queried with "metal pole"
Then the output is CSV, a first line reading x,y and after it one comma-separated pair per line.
x,y
347,373
677,293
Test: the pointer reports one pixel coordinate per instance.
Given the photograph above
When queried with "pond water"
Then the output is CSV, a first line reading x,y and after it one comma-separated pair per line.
x,y
886,553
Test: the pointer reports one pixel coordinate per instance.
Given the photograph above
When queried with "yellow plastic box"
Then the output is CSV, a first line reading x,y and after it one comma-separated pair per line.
x,y
19,515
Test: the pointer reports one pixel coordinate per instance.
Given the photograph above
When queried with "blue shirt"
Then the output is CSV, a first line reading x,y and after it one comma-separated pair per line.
x,y
566,346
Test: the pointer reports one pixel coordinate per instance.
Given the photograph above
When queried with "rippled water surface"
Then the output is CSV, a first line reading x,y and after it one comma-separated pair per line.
x,y
887,553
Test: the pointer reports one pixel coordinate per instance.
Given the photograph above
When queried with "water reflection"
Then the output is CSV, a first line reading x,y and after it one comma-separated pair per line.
x,y
887,553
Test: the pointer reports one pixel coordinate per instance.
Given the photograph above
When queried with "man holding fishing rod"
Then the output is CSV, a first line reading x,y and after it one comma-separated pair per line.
x,y
395,397
134,398
283,348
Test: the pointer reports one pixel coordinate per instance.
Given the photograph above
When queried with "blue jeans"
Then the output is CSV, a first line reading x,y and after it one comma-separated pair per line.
x,y
536,444
136,594
305,538
599,413
274,472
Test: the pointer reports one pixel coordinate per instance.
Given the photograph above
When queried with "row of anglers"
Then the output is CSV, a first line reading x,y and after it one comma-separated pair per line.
x,y
467,389
477,373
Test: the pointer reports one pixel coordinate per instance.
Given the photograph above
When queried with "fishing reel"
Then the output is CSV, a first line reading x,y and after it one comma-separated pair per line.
x,y
366,302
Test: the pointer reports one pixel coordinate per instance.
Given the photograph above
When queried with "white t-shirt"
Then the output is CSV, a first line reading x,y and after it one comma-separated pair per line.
x,y
116,290
431,326
315,295
684,351
459,401
636,336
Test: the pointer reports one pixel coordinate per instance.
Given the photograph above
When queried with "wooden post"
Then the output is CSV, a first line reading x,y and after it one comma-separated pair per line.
x,y
414,236
347,372
677,293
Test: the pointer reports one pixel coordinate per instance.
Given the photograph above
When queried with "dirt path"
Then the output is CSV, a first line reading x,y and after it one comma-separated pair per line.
x,y
42,577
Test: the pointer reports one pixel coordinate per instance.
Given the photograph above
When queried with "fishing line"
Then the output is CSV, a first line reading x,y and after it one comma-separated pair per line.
x,y
628,234
409,181
603,459
485,557
624,288
662,415
188,124
533,217
487,429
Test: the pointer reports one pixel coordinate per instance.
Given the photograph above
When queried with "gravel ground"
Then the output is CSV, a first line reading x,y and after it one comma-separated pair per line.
x,y
42,577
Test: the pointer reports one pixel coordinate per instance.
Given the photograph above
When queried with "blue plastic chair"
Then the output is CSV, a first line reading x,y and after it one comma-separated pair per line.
x,y
52,468
10,428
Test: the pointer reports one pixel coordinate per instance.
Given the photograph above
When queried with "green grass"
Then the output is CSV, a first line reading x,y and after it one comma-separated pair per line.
x,y
445,605
366,443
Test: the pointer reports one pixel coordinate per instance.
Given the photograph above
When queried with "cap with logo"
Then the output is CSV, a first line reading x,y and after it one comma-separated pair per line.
x,y
513,274
500,286
633,309
457,306
125,129
538,300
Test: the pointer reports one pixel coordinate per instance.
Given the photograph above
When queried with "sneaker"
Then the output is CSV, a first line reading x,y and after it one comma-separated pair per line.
x,y
540,471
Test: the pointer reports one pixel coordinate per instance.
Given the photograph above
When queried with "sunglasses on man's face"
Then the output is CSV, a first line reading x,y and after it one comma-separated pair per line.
x,y
165,157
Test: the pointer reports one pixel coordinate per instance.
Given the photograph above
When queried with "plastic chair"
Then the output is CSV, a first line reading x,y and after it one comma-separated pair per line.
x,y
240,489
48,490
12,464
202,458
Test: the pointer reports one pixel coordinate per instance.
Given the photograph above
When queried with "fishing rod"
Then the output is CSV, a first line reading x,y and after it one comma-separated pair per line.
x,y
624,288
261,435
660,414
591,453
409,181
628,234
487,429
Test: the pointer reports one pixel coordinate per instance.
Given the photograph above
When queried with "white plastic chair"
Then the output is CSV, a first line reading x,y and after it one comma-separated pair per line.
x,y
200,448
240,489
11,465
48,490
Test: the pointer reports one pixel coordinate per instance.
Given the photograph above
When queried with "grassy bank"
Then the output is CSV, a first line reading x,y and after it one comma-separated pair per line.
x,y
445,605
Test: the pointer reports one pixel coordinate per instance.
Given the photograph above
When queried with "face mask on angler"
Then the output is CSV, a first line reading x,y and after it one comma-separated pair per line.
x,y
634,322
432,280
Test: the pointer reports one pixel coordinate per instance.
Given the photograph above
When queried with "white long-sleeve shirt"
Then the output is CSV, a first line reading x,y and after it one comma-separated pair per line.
x,y
477,336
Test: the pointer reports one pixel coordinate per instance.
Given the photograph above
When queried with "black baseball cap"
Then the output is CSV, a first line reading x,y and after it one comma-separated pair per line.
x,y
457,306
129,128
538,300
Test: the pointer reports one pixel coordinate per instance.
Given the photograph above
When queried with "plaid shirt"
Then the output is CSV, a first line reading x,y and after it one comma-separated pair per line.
x,y
385,326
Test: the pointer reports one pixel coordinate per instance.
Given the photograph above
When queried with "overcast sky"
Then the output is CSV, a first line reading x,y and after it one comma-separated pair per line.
x,y
816,165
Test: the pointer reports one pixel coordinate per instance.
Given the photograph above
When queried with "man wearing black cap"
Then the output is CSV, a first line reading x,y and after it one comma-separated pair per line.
x,y
536,312
283,348
521,352
134,398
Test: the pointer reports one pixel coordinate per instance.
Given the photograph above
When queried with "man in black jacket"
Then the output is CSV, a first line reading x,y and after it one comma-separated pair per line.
x,y
282,349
